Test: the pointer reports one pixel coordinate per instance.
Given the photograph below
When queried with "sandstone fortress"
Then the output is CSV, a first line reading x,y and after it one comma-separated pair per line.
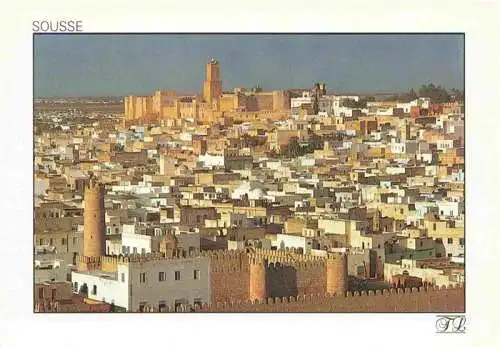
x,y
212,106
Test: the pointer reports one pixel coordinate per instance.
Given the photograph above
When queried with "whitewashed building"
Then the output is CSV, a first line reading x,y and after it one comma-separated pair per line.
x,y
153,282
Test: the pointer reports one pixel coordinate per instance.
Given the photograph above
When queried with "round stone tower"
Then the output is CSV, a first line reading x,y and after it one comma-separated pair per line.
x,y
336,274
93,220
258,279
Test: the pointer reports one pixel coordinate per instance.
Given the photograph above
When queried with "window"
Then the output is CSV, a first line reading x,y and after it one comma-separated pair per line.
x,y
135,250
177,275
51,242
162,305
75,287
196,274
40,293
63,241
401,211
450,255
430,253
434,227
74,240
450,241
41,242
94,290
462,241
143,251
161,276
421,243
53,294
198,219
124,249
141,306
142,277
123,277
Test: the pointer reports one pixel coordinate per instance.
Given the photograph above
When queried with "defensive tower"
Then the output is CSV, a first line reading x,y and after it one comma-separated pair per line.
x,y
93,220
336,274
258,278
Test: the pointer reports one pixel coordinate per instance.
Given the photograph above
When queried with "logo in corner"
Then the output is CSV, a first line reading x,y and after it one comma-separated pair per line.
x,y
450,324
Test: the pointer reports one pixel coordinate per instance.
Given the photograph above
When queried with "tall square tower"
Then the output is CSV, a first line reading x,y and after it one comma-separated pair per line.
x,y
212,89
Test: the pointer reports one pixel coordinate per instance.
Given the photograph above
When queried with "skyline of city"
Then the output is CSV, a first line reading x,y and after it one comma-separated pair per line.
x,y
138,64
250,199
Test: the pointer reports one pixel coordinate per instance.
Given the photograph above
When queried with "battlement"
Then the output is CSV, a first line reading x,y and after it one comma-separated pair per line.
x,y
238,260
423,299
110,263
258,260
85,263
297,259
298,265
223,254
156,256
336,256
227,260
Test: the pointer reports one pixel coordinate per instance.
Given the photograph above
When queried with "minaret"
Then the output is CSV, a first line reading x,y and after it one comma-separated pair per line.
x,y
212,90
94,220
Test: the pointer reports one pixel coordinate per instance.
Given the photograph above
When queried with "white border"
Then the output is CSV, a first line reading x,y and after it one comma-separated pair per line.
x,y
18,326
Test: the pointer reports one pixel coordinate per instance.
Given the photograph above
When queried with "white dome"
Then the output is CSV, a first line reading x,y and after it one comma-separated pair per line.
x,y
252,189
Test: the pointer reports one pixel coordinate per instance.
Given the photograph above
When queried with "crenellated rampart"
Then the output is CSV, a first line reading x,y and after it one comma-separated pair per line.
x,y
429,299
230,275
251,274
415,300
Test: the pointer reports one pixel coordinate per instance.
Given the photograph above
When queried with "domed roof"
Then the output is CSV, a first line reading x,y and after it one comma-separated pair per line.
x,y
256,194
252,188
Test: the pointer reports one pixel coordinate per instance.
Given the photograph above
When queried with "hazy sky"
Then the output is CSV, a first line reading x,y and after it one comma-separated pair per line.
x,y
93,65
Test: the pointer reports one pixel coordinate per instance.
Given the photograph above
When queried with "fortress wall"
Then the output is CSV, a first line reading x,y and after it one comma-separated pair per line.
x,y
230,275
430,300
